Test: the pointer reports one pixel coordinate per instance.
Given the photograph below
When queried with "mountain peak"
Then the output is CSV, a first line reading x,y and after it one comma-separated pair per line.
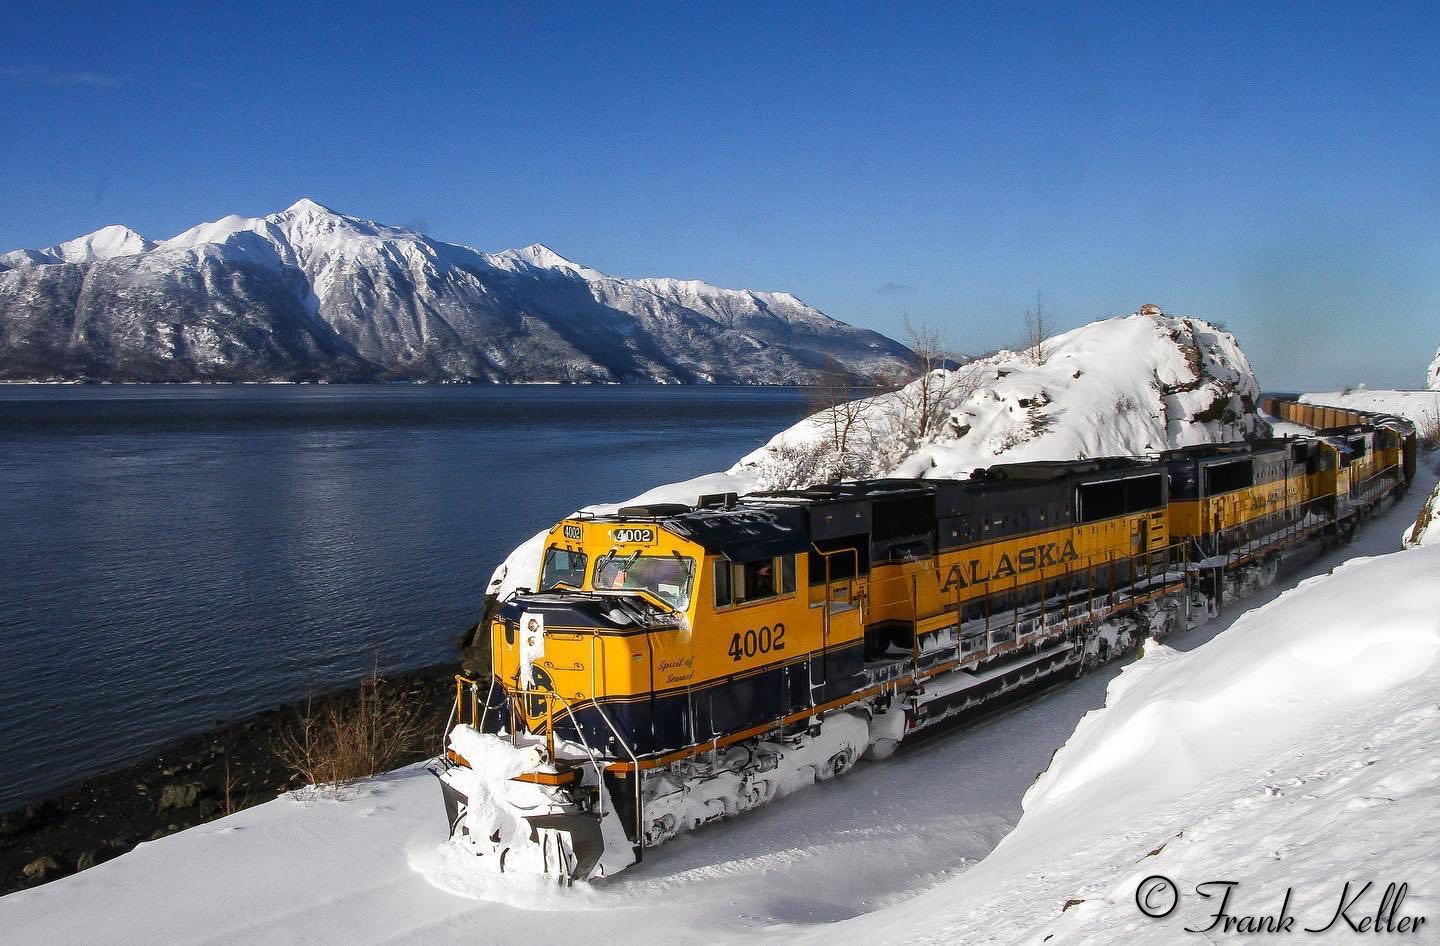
x,y
306,205
542,256
106,243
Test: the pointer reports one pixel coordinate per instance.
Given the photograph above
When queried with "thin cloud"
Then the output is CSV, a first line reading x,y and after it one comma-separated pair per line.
x,y
41,75
891,288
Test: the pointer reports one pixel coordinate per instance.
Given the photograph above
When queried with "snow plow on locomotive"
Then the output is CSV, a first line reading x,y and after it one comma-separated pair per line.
x,y
677,665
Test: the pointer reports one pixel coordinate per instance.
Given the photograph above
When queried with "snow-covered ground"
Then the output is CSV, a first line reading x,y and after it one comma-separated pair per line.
x,y
1337,784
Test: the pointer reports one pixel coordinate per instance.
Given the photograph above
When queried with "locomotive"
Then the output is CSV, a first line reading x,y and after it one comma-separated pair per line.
x,y
675,665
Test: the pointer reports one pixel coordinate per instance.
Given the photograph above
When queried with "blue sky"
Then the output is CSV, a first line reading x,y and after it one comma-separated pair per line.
x,y
1274,167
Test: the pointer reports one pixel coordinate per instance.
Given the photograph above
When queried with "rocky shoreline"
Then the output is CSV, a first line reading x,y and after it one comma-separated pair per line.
x,y
193,780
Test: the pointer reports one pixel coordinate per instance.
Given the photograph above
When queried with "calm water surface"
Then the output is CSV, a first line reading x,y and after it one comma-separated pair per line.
x,y
177,555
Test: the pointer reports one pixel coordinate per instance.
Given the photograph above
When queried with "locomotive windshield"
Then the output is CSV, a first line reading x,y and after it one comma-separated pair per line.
x,y
668,577
563,567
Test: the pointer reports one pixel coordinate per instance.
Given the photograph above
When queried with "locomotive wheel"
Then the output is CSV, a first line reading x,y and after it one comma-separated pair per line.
x,y
836,765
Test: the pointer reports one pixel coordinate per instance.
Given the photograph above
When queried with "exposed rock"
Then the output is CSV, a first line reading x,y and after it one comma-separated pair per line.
x,y
41,867
178,795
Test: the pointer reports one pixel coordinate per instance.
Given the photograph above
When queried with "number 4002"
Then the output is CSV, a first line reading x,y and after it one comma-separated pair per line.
x,y
757,641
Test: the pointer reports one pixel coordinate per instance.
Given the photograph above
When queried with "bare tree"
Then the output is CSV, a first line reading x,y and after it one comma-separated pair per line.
x,y
919,406
842,408
1038,330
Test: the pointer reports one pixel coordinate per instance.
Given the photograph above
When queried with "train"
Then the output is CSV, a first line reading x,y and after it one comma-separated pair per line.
x,y
674,665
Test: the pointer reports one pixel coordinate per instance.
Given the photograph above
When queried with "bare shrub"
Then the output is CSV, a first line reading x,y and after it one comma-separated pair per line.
x,y
230,781
797,465
341,739
842,410
1427,430
915,410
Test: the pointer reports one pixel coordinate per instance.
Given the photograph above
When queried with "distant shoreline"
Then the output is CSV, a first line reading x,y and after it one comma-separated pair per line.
x,y
383,384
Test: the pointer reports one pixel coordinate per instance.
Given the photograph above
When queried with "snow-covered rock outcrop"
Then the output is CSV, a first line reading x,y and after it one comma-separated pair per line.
x,y
311,294
1432,377
1117,387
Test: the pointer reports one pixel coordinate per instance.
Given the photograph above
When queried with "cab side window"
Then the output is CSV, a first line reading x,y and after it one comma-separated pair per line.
x,y
757,580
745,582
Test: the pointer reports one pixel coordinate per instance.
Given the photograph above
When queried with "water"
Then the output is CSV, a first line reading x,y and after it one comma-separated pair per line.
x,y
172,556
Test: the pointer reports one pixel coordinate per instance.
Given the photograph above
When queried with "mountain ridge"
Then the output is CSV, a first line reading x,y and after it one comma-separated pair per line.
x,y
308,293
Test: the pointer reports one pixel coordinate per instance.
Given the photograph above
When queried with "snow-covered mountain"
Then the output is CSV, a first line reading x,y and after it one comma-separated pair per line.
x,y
1432,377
311,294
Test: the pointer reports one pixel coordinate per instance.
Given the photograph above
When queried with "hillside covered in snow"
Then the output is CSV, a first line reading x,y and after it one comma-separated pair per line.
x,y
1294,745
311,294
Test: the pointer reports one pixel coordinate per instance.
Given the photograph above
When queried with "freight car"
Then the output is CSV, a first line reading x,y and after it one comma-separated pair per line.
x,y
675,665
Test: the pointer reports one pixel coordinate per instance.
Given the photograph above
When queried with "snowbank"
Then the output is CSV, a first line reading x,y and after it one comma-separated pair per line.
x,y
1117,387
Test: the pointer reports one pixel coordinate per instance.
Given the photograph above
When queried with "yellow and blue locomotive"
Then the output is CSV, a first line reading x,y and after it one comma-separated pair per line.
x,y
678,664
